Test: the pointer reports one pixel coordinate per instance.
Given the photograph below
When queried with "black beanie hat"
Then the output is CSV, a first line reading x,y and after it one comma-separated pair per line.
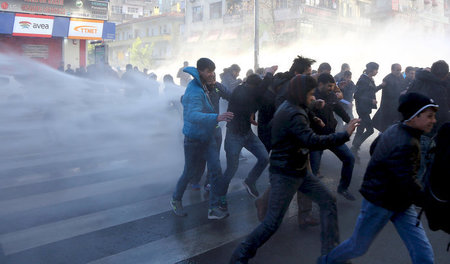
x,y
411,104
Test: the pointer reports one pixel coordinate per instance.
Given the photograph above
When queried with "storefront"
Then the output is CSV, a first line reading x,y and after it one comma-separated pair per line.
x,y
53,31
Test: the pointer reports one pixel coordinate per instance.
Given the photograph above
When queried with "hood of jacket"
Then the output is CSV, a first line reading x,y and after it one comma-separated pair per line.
x,y
194,72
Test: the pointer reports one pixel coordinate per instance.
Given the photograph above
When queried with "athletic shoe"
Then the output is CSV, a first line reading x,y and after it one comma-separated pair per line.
x,y
251,189
216,213
177,208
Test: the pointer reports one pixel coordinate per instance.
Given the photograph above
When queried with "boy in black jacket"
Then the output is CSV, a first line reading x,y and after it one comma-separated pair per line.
x,y
390,186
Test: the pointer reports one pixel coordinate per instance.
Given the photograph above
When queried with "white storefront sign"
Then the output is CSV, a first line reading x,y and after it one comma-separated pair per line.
x,y
33,25
85,29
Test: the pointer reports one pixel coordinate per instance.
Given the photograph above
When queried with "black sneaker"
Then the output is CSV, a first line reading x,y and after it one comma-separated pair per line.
x,y
347,195
216,213
251,189
177,208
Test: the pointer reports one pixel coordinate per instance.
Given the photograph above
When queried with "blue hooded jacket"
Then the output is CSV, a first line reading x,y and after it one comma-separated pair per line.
x,y
199,116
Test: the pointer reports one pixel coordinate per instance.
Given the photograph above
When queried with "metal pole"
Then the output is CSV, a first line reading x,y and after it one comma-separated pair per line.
x,y
256,34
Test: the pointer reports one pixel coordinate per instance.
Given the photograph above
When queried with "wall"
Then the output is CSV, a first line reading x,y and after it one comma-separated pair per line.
x,y
46,50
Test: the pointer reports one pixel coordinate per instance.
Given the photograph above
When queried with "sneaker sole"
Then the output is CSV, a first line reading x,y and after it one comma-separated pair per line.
x,y
213,217
249,190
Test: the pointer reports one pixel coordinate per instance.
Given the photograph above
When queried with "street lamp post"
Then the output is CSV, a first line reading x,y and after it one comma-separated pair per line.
x,y
256,34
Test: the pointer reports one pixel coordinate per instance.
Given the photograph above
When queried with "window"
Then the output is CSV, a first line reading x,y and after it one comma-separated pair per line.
x,y
165,31
117,9
197,13
281,4
215,10
133,10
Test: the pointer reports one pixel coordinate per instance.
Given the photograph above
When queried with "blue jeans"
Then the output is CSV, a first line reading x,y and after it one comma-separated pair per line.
x,y
202,162
282,191
195,152
371,221
233,146
348,162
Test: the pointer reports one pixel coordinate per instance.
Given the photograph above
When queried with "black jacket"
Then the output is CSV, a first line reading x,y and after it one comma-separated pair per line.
x,y
390,179
365,94
244,101
292,138
326,113
388,114
428,84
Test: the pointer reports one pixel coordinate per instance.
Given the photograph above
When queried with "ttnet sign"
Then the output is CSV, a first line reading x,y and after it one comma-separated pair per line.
x,y
85,29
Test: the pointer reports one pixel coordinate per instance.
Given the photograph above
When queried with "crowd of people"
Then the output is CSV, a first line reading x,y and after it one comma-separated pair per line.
x,y
298,114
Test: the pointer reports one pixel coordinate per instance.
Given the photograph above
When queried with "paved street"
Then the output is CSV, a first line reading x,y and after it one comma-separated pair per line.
x,y
109,205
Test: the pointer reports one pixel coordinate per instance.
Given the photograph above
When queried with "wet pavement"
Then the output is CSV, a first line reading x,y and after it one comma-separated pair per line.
x,y
107,206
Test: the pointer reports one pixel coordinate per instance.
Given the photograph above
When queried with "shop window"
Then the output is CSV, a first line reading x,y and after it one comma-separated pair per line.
x,y
197,13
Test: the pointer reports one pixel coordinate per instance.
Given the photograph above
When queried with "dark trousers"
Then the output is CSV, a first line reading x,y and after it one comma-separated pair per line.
x,y
282,191
363,131
195,152
348,162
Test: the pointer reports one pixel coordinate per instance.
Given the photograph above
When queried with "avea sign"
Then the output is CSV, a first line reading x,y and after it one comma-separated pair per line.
x,y
33,25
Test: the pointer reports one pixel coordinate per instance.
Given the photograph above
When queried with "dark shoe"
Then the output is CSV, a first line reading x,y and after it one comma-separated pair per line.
x,y
347,195
304,222
251,189
177,208
216,213
207,187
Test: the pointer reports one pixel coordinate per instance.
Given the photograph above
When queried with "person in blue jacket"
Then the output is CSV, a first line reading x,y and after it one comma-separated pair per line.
x,y
200,121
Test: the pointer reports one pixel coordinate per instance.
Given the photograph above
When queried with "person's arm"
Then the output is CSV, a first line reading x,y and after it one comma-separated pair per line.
x,y
224,92
339,110
193,104
301,130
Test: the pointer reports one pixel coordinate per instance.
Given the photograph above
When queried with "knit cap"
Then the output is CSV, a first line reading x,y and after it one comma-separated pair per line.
x,y
411,104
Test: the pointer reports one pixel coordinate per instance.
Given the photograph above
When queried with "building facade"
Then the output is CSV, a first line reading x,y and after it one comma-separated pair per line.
x,y
160,32
53,32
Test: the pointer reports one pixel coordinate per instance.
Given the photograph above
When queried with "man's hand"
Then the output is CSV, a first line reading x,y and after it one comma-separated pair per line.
x,y
319,104
227,117
272,69
352,126
318,121
252,120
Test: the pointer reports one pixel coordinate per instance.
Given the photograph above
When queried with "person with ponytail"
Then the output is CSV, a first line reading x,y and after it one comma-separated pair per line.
x,y
292,139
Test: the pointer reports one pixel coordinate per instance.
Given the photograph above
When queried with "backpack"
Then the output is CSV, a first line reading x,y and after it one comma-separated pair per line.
x,y
437,182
